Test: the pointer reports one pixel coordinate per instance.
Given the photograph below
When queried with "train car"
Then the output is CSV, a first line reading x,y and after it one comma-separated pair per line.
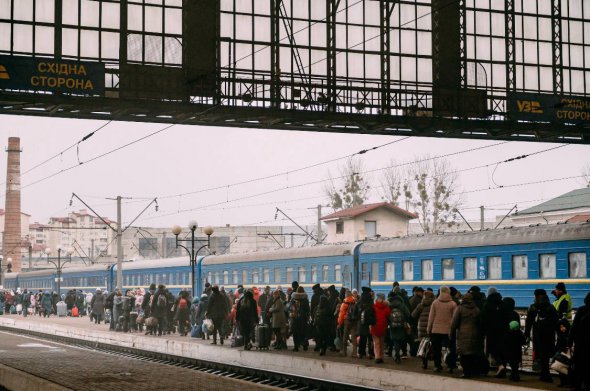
x,y
10,281
38,280
172,272
325,264
514,260
85,278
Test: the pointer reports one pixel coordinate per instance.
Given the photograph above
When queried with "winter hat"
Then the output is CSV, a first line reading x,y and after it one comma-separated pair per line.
x,y
540,292
491,290
366,289
381,296
453,291
294,285
300,289
445,289
315,287
429,294
474,289
514,325
560,286
355,292
152,287
467,298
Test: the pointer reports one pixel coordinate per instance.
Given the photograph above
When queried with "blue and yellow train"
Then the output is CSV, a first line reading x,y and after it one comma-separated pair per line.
x,y
514,260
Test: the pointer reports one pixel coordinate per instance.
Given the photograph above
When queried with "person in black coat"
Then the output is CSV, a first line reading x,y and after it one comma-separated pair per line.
x,y
512,339
247,316
299,316
147,301
313,305
324,322
217,311
542,321
579,342
159,308
333,302
366,316
495,326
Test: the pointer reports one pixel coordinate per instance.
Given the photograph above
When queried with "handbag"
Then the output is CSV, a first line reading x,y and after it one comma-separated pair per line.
x,y
196,331
424,347
561,363
208,326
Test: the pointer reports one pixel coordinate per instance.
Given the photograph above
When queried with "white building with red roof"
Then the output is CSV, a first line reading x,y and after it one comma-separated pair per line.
x,y
367,221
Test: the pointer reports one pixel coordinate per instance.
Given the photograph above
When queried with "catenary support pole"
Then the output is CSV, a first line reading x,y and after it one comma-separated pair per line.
x,y
119,245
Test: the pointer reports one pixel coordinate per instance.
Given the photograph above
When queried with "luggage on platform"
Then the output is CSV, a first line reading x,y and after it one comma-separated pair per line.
x,y
12,309
262,336
236,339
197,331
74,311
19,308
62,308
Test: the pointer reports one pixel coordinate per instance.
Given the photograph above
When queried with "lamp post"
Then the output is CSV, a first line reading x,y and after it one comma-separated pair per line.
x,y
176,230
57,262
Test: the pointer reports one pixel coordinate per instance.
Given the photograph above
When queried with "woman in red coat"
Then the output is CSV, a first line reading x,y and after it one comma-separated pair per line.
x,y
379,330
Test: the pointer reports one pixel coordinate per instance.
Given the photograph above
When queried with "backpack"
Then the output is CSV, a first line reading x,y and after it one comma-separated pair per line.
x,y
294,309
351,313
182,304
162,301
368,317
396,319
126,304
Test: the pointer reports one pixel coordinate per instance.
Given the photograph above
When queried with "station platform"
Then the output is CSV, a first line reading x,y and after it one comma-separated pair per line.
x,y
408,375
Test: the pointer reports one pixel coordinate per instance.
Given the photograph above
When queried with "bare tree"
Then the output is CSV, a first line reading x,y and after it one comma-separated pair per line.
x,y
428,188
586,174
351,188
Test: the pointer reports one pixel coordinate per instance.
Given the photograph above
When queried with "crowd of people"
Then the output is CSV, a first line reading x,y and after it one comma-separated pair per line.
x,y
476,330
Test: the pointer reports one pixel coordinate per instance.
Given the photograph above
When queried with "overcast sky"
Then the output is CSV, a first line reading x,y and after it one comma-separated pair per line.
x,y
187,159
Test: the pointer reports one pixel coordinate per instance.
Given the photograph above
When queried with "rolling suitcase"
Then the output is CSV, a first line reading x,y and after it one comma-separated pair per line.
x,y
74,311
62,308
262,336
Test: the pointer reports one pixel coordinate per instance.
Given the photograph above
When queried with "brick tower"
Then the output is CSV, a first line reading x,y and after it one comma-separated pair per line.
x,y
12,241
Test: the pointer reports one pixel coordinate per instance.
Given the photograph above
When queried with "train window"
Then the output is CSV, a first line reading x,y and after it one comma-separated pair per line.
x,y
225,277
314,273
127,280
364,271
547,267
234,276
337,273
448,269
164,279
177,281
157,279
375,271
325,272
427,270
255,276
407,270
277,275
470,268
289,274
209,277
494,268
520,266
347,276
389,271
244,276
185,279
302,274
217,281
577,264
266,275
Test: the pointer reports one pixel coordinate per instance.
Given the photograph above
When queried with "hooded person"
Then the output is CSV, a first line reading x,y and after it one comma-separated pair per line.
x,y
494,326
322,322
399,318
379,329
147,301
217,311
263,301
299,312
348,323
47,304
366,318
247,317
333,303
420,316
200,312
512,340
467,326
278,319
439,324
541,322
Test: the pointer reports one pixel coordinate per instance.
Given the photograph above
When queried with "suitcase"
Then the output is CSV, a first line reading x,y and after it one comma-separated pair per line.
x,y
262,336
75,311
62,308
19,308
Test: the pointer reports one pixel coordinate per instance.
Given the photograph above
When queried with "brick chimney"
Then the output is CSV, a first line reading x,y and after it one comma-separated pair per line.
x,y
12,228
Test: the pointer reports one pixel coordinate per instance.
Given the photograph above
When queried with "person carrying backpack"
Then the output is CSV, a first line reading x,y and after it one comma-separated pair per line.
x,y
542,322
247,317
183,312
398,324
26,302
159,308
348,323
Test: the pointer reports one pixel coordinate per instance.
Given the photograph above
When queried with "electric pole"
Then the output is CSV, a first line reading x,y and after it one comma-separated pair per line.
x,y
482,223
119,245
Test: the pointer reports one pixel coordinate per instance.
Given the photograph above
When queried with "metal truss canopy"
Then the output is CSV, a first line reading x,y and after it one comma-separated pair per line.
x,y
268,118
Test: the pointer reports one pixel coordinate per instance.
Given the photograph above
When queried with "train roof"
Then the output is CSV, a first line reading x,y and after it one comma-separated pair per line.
x,y
157,263
332,250
35,273
506,236
78,269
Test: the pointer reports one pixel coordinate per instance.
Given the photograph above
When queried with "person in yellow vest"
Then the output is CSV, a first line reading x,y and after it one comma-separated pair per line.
x,y
563,302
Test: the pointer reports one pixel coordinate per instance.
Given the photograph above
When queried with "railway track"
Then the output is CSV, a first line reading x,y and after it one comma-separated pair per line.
x,y
257,376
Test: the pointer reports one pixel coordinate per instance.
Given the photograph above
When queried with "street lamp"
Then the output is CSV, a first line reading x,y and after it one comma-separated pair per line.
x,y
176,230
59,265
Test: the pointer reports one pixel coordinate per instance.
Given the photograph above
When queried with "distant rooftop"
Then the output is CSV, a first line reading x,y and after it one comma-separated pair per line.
x,y
361,209
579,198
579,218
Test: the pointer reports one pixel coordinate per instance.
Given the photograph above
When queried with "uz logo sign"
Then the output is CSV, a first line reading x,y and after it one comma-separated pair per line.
x,y
529,106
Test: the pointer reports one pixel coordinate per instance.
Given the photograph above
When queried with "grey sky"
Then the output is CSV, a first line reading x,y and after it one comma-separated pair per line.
x,y
186,159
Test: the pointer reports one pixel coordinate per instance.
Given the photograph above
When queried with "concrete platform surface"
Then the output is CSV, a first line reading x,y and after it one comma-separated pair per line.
x,y
31,364
406,376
